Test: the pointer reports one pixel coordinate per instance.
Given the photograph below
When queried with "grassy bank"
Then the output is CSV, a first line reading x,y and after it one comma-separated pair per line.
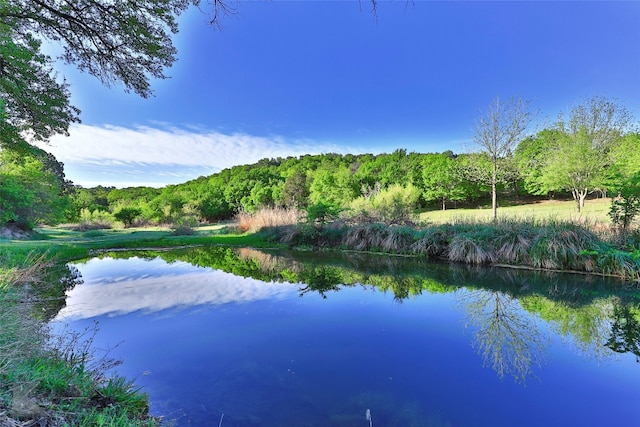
x,y
540,244
55,381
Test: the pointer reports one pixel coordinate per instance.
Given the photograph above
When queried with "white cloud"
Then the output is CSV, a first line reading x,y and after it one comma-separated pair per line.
x,y
110,155
145,144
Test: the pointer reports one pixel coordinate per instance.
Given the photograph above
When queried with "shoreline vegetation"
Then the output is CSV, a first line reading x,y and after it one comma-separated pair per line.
x,y
59,380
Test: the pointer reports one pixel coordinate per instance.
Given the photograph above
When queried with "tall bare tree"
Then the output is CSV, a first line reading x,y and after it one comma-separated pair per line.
x,y
497,133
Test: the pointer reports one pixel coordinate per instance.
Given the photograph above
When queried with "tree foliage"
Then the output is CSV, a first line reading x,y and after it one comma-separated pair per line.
x,y
127,215
116,41
34,104
30,193
581,158
626,206
442,178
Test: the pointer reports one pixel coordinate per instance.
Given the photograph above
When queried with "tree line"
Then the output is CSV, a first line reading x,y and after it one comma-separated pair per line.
x,y
569,159
564,160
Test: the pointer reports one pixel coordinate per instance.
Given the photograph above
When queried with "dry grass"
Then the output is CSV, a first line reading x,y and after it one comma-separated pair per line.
x,y
21,333
267,217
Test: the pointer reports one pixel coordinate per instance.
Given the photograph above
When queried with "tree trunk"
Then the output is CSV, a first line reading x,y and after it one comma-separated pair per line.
x,y
494,191
579,196
444,204
583,195
576,197
494,201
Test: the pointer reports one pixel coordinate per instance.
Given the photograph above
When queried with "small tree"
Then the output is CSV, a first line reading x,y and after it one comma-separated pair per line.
x,y
626,206
127,215
497,134
322,212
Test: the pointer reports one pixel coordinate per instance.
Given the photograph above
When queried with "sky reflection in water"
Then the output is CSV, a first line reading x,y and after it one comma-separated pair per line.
x,y
203,342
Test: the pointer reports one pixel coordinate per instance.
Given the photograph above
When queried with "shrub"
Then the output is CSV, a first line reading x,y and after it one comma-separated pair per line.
x,y
626,206
94,220
392,205
322,213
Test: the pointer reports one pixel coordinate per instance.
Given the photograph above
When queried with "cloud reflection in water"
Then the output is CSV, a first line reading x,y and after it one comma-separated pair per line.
x,y
115,287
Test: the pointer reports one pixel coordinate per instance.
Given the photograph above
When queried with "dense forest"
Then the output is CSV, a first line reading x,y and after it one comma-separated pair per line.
x,y
566,160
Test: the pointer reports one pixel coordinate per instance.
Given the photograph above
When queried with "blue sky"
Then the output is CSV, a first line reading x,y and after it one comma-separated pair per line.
x,y
295,77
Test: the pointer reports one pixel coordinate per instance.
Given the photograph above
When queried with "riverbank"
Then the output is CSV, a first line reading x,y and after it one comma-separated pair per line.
x,y
538,244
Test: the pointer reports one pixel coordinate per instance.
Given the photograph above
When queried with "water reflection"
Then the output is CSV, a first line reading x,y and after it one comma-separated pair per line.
x,y
625,331
153,285
504,308
49,290
508,338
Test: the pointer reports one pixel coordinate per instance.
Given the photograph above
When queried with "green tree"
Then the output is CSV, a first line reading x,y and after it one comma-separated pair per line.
x,y
127,215
442,179
602,120
29,193
322,212
530,158
127,42
574,166
333,185
624,157
626,205
296,191
582,158
35,104
497,133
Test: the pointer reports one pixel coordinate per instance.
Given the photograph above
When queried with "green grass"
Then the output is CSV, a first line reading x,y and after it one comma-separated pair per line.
x,y
594,211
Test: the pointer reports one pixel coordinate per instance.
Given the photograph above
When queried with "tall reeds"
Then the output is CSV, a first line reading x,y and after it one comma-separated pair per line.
x,y
267,217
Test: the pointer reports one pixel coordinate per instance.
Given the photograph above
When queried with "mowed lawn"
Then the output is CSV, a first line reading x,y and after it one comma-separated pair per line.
x,y
594,211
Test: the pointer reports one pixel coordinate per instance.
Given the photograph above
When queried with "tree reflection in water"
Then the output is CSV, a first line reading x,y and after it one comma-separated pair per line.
x,y
505,307
507,337
625,331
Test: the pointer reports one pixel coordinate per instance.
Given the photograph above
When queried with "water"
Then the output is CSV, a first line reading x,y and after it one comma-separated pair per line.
x,y
303,339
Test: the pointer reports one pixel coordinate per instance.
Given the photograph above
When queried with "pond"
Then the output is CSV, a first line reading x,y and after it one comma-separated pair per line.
x,y
239,337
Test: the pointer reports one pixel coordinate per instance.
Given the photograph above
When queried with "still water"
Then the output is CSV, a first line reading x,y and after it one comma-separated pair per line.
x,y
239,337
